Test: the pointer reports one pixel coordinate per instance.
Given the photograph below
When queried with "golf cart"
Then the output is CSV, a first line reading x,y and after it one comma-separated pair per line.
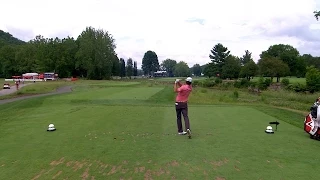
x,y
6,86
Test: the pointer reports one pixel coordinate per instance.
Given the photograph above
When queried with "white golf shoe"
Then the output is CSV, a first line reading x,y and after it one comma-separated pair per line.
x,y
182,133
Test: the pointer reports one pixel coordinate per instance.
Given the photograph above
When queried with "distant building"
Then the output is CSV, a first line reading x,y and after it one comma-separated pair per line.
x,y
160,74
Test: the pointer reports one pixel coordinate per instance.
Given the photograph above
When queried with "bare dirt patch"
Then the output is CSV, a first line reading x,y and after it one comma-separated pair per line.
x,y
38,175
55,163
219,163
141,169
148,175
174,163
56,175
113,170
220,178
236,168
85,174
78,165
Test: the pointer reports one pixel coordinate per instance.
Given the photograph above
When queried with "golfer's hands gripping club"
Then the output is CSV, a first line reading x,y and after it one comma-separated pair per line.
x,y
177,81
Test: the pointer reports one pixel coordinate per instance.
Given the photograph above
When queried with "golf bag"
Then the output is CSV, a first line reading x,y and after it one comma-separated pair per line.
x,y
312,123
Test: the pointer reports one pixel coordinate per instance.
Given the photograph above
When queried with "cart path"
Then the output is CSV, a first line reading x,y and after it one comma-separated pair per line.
x,y
61,90
12,89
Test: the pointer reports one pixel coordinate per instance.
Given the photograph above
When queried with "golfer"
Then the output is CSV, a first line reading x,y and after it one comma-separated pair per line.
x,y
183,92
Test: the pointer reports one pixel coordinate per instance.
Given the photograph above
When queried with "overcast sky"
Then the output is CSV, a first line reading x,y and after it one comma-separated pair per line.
x,y
183,30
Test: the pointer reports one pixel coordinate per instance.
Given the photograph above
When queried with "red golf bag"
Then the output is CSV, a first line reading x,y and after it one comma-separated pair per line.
x,y
312,123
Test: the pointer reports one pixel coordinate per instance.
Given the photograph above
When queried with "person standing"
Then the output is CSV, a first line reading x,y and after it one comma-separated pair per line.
x,y
181,104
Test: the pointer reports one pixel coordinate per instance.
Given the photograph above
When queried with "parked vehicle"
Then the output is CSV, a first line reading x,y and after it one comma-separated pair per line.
x,y
6,86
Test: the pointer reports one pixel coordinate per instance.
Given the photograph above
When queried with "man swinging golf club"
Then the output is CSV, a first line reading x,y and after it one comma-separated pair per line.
x,y
183,92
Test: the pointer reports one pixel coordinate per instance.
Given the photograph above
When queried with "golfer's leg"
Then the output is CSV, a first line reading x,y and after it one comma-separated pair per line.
x,y
186,117
179,123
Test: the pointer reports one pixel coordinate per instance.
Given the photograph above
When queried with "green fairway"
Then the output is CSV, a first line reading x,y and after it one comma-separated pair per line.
x,y
125,130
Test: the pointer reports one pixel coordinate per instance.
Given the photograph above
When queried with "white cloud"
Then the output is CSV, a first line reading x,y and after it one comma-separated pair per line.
x,y
162,26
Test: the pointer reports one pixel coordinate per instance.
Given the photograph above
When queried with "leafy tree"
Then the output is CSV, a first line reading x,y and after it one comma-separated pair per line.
x,y
313,79
150,62
7,39
168,65
182,69
246,57
10,66
135,68
129,68
122,68
309,60
197,70
273,67
115,66
301,67
210,70
250,69
96,50
232,67
286,53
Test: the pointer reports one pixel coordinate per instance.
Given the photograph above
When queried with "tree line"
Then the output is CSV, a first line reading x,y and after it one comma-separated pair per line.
x,y
92,55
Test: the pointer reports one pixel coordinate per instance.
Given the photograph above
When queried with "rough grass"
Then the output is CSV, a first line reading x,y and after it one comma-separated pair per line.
x,y
109,130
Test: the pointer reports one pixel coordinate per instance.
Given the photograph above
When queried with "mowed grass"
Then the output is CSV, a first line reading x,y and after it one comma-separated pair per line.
x,y
127,131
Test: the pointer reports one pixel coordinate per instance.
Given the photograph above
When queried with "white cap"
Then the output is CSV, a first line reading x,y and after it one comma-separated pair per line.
x,y
189,79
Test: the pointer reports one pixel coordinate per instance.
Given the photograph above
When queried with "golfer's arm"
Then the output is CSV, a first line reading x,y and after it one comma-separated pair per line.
x,y
176,86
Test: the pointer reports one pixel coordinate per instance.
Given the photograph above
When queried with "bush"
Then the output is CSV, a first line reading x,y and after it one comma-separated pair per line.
x,y
237,84
267,82
313,79
235,95
196,83
218,80
297,87
208,83
285,82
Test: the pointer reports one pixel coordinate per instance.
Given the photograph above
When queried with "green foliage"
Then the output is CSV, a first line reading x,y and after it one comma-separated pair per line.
x,y
247,57
208,83
218,80
297,87
231,68
313,79
182,69
197,70
263,83
285,81
286,53
249,70
169,65
7,39
122,68
235,94
218,56
129,67
150,62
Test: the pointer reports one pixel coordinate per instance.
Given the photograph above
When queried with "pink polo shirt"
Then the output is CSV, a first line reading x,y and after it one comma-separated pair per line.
x,y
183,93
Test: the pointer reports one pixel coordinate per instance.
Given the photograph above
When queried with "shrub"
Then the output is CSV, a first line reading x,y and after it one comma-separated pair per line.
x,y
237,84
313,79
208,83
261,84
235,95
285,82
267,82
218,80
